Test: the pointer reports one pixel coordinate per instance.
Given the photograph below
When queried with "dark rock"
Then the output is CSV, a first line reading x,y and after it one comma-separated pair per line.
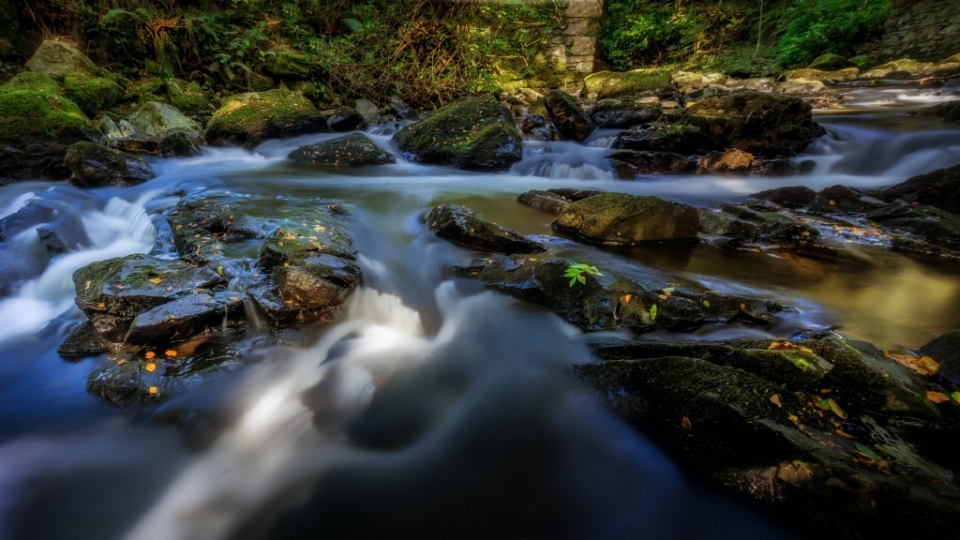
x,y
475,134
114,292
460,225
544,201
620,218
249,119
662,137
84,340
940,189
401,109
539,129
354,150
788,197
94,165
65,234
568,116
765,125
945,349
616,114
607,302
936,226
179,144
184,318
346,119
719,223
203,228
842,199
627,164
774,226
950,111
125,383
782,167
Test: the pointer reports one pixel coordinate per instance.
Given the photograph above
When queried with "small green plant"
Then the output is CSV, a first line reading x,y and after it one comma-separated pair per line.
x,y
578,272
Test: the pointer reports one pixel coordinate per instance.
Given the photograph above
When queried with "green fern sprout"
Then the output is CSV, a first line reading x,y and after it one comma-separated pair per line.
x,y
578,272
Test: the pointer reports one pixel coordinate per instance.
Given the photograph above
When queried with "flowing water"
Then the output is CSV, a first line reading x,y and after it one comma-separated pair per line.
x,y
432,408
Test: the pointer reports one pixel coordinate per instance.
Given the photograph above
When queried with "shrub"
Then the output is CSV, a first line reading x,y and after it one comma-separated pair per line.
x,y
809,28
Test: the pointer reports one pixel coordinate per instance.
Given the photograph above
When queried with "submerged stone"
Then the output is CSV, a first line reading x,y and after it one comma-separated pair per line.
x,y
620,218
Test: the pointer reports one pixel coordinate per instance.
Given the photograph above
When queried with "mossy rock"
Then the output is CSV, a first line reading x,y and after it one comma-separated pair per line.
x,y
475,134
354,150
36,82
677,137
288,64
146,90
56,59
249,119
567,116
189,97
92,94
35,130
621,218
157,121
610,84
902,68
831,62
94,165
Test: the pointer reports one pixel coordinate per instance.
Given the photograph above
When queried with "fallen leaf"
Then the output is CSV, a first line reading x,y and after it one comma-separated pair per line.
x,y
122,362
155,281
956,396
775,399
836,409
662,296
626,299
706,304
923,365
151,367
844,434
687,425
87,286
171,353
101,305
937,397
653,312
150,354
154,390
743,307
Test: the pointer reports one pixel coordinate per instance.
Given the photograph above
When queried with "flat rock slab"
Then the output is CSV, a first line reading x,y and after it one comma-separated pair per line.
x,y
620,218
462,226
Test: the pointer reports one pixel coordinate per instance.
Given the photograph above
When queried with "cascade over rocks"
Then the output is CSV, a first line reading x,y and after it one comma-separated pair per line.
x,y
476,134
567,116
94,165
249,119
460,225
354,150
620,218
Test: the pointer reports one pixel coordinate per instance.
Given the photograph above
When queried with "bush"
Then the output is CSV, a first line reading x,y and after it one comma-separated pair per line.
x,y
810,28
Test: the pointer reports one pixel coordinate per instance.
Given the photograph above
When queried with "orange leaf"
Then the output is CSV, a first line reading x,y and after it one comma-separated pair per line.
x,y
937,397
687,425
154,390
150,354
151,367
775,399
844,434
626,299
170,353
923,365
122,362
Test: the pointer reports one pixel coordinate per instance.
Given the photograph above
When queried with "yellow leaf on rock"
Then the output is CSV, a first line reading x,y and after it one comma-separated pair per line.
x,y
150,354
923,365
151,367
626,299
170,353
937,397
775,399
154,390
155,281
122,362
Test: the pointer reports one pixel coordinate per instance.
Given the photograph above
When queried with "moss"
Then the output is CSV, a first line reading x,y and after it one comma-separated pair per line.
x,y
141,275
250,118
26,113
89,280
611,84
91,94
36,82
188,97
146,90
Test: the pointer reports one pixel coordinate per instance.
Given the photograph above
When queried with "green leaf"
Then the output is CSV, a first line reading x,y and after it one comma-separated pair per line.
x,y
220,270
573,280
583,279
653,312
955,396
353,25
865,450
706,304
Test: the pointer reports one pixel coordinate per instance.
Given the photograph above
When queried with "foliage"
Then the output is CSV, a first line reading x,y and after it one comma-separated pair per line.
x,y
428,51
810,28
578,273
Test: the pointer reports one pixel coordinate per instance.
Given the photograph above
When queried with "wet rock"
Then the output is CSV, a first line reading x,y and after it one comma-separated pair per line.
x,y
114,292
945,349
310,272
678,138
346,119
354,150
612,113
536,126
37,125
157,125
611,84
462,226
620,218
788,197
95,165
940,189
369,110
627,164
731,161
555,200
249,119
950,111
56,59
92,94
607,302
63,235
933,225
475,134
774,226
125,383
188,97
84,340
184,318
715,222
765,125
204,228
570,120
782,167
179,144
835,199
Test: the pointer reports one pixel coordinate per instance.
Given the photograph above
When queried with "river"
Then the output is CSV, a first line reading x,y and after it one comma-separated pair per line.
x,y
432,408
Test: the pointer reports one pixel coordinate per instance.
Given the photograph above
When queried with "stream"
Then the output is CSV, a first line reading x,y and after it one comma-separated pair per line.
x,y
432,408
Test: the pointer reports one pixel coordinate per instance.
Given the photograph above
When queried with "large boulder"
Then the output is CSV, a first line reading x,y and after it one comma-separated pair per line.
x,y
831,62
205,230
900,69
113,293
553,201
249,119
462,226
621,218
611,113
765,125
610,84
473,133
94,165
940,189
567,116
354,150
188,97
184,318
37,124
57,58
346,119
161,128
92,94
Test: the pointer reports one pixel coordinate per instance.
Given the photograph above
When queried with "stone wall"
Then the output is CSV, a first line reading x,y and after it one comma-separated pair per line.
x,y
926,30
575,48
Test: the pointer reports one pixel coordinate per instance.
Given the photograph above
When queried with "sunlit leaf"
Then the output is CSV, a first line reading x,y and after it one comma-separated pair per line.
x,y
149,355
836,409
151,367
775,399
923,365
955,396
937,397
155,281
626,299
154,390
706,304
171,353
653,312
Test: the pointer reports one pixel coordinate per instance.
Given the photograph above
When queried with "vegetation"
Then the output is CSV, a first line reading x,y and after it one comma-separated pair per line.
x,y
738,34
578,272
